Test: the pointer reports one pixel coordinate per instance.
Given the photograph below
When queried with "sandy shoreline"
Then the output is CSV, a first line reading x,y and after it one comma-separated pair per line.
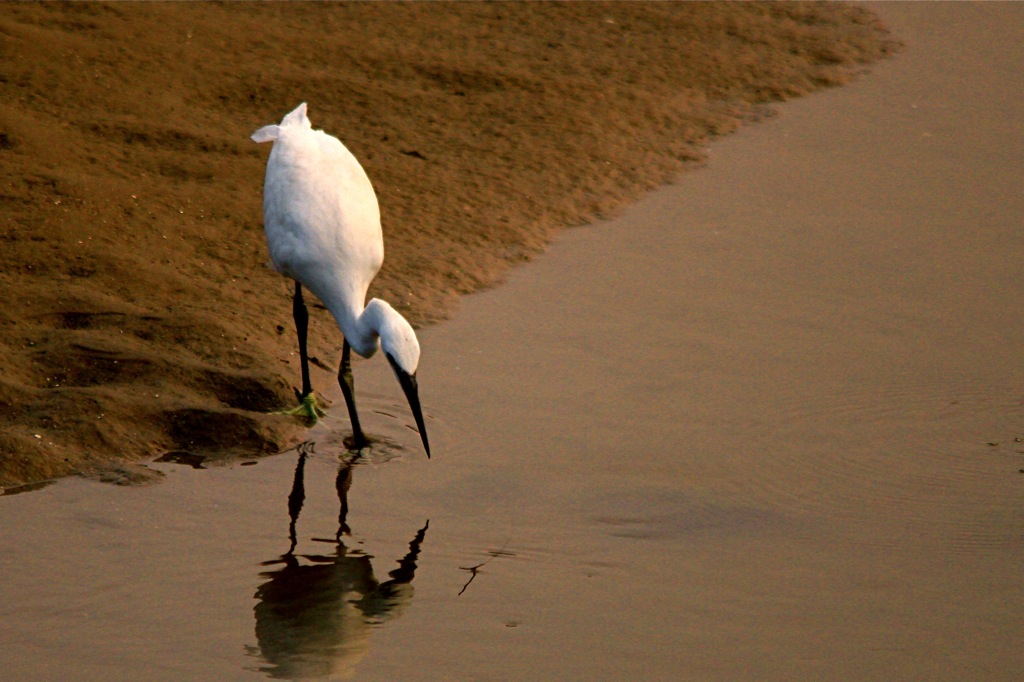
x,y
140,310
764,424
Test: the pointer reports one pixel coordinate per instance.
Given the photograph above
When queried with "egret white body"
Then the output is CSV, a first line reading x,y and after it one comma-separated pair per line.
x,y
322,222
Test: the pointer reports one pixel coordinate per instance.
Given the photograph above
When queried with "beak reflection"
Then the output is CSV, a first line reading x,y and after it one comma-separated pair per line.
x,y
314,613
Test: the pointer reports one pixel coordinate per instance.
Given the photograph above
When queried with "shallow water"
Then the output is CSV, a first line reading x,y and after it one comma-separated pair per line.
x,y
763,426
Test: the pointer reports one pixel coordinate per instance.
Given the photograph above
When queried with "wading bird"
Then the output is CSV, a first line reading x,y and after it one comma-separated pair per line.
x,y
322,222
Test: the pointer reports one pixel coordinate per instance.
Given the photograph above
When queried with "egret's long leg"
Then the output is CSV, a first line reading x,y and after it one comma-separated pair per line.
x,y
301,315
308,407
348,389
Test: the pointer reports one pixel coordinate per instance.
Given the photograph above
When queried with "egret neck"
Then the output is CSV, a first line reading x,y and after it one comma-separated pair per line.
x,y
381,326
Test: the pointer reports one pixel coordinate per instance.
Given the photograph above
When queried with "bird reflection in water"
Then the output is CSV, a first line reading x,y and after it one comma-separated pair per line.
x,y
315,613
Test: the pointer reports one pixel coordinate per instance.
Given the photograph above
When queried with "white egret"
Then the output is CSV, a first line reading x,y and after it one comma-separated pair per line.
x,y
322,223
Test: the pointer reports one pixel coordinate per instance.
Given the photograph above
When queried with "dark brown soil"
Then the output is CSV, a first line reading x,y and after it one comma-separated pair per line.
x,y
139,313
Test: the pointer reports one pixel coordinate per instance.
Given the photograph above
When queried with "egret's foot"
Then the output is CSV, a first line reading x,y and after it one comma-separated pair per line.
x,y
356,443
308,409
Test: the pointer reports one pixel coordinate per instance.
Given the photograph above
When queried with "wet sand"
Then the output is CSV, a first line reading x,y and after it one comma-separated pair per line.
x,y
763,425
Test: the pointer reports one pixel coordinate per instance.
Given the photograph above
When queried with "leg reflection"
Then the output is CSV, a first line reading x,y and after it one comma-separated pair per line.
x,y
296,497
314,612
342,483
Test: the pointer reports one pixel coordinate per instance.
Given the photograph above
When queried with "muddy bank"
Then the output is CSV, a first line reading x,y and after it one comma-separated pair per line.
x,y
140,313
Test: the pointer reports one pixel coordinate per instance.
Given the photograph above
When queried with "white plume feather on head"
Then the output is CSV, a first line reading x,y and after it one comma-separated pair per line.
x,y
296,117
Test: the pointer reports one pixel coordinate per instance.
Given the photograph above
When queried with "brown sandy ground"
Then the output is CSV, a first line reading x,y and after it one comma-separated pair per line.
x,y
139,312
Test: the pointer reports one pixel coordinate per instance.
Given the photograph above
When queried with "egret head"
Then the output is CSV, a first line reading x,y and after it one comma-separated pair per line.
x,y
402,349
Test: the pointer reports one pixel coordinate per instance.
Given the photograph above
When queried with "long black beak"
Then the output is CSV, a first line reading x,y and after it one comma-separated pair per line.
x,y
412,394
